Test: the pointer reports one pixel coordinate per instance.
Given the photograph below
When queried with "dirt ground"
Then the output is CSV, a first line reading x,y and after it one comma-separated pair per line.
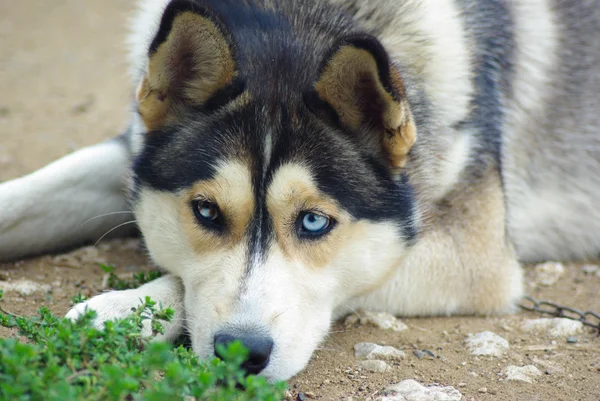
x,y
63,85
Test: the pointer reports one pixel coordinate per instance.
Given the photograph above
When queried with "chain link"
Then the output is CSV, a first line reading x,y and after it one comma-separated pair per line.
x,y
588,318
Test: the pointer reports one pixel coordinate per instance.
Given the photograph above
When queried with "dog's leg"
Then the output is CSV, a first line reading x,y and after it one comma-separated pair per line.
x,y
72,201
167,291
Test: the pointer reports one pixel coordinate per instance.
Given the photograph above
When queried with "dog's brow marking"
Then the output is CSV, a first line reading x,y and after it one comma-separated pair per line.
x,y
268,151
257,252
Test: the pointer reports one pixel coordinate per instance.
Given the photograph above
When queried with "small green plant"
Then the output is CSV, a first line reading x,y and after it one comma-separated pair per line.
x,y
68,360
138,279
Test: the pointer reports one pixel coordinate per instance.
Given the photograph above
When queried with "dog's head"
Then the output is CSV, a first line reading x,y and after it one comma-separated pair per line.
x,y
270,179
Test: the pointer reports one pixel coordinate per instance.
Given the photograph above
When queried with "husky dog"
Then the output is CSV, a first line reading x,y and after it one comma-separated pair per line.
x,y
289,160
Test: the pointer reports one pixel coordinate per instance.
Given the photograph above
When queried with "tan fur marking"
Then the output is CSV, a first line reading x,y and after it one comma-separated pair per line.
x,y
293,191
192,64
350,84
231,190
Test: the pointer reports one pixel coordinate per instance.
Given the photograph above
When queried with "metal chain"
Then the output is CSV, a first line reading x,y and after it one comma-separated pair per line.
x,y
588,318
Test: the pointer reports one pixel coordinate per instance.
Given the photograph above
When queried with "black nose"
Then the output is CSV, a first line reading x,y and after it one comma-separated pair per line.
x,y
259,350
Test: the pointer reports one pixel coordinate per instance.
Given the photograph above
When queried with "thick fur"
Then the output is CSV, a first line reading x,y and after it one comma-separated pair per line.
x,y
448,140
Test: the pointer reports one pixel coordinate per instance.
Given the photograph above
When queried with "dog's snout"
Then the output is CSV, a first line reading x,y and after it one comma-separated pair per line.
x,y
259,350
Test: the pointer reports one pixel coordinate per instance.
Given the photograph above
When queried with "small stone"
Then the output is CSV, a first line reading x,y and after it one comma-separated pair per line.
x,y
547,274
383,320
591,269
301,397
486,343
521,373
571,340
462,384
553,327
412,390
374,365
309,394
419,354
429,353
375,351
482,390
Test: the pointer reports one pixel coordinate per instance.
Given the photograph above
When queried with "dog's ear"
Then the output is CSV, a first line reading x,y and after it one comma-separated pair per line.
x,y
190,61
366,92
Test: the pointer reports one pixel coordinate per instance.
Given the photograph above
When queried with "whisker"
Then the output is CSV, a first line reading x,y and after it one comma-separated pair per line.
x,y
281,313
113,229
105,214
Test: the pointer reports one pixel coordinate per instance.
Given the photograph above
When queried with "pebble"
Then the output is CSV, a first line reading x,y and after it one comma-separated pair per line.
x,y
420,354
375,351
382,320
482,390
486,343
553,327
525,373
547,274
301,397
412,390
374,365
591,269
24,287
571,340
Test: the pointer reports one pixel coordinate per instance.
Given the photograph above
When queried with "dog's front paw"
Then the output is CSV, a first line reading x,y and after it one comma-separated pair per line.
x,y
110,306
167,291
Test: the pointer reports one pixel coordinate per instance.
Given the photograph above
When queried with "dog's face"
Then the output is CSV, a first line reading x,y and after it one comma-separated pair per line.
x,y
273,212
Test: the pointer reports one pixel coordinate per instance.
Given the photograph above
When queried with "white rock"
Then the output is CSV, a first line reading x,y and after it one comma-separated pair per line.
x,y
24,287
411,390
374,365
525,373
486,343
591,269
553,327
547,274
375,351
383,320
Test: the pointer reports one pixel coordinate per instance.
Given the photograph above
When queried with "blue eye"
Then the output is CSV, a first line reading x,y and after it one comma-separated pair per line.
x,y
207,213
313,224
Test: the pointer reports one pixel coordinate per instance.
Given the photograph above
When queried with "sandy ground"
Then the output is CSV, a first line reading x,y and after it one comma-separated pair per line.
x,y
63,85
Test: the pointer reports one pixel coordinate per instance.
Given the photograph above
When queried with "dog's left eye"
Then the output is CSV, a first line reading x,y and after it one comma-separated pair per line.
x,y
207,213
313,225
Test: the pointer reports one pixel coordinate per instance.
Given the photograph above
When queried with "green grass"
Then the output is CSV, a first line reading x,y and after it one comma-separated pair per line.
x,y
58,359
115,283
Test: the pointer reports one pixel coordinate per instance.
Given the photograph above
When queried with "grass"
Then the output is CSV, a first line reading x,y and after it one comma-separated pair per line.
x,y
59,359
115,283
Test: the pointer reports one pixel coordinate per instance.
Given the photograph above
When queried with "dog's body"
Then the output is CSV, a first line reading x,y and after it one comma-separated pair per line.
x,y
284,166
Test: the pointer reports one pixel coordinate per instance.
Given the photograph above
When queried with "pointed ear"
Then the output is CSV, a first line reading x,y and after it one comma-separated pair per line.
x,y
366,92
190,60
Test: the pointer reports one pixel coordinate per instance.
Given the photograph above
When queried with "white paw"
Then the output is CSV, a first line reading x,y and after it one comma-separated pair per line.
x,y
110,306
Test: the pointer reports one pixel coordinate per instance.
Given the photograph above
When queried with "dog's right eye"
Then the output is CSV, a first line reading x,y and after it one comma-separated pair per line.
x,y
207,213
